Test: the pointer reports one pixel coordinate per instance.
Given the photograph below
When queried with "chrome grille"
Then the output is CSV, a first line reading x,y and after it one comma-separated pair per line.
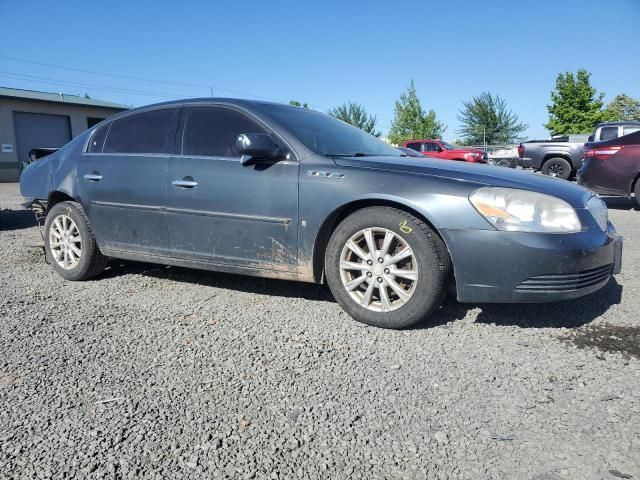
x,y
566,282
599,212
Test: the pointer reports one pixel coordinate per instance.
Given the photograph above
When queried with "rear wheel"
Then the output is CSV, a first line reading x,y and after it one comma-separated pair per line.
x,y
386,267
557,167
70,244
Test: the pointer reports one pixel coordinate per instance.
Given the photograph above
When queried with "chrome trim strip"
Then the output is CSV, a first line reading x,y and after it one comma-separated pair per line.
x,y
154,208
232,216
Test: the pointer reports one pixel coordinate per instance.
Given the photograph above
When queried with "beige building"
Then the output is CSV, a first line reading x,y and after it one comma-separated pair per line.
x,y
30,119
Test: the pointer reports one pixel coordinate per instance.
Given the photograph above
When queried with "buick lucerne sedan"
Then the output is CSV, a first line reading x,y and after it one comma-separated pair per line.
x,y
278,191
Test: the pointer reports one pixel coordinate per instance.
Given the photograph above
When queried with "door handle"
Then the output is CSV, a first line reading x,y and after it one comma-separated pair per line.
x,y
186,182
93,177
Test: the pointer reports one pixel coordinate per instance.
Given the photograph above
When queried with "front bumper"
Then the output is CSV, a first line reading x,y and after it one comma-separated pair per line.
x,y
491,266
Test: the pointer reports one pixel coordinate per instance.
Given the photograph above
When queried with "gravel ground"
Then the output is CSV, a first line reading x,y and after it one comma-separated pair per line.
x,y
156,372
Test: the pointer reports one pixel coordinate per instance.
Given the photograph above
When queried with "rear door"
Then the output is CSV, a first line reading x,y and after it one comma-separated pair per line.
x,y
122,178
223,212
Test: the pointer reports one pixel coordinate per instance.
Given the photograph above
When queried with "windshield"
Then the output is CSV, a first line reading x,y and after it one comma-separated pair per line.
x,y
448,146
326,135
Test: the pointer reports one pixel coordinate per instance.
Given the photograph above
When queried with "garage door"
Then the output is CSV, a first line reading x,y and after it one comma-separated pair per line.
x,y
38,130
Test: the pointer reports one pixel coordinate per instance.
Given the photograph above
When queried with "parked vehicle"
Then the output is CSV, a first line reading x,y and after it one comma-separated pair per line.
x,y
612,130
278,191
446,151
560,157
409,152
612,167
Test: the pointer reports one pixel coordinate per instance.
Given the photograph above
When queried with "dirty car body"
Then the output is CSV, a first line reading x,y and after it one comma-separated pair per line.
x,y
172,201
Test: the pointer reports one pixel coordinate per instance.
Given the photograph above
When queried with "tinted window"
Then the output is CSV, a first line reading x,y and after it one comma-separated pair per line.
x,y
628,130
214,131
141,133
431,147
414,146
97,139
608,133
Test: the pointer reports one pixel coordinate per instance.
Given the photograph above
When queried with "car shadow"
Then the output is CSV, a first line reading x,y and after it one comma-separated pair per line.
x,y
621,203
16,219
230,281
567,314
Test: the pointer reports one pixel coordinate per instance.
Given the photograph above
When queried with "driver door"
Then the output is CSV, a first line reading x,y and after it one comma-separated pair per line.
x,y
223,212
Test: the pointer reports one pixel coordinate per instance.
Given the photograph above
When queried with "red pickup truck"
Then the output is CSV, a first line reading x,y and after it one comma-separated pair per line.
x,y
446,151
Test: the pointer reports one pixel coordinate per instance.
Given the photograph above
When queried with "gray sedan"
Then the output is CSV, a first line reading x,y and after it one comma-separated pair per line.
x,y
277,191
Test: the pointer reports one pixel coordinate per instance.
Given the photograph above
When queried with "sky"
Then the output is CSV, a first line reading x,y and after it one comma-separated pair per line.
x,y
323,52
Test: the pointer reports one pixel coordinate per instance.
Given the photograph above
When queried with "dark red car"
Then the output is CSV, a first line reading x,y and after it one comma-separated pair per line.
x,y
446,151
612,167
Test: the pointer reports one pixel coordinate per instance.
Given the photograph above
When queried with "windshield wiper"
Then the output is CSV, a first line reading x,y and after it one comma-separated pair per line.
x,y
354,154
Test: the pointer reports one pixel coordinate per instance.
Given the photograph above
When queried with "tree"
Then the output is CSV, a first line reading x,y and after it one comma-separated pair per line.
x,y
356,115
576,106
486,118
296,103
411,121
623,107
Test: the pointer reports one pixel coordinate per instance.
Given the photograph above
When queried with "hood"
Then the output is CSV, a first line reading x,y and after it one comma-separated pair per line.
x,y
478,174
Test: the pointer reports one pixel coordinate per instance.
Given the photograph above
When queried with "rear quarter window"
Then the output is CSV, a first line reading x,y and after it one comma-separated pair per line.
x,y
415,146
97,139
608,133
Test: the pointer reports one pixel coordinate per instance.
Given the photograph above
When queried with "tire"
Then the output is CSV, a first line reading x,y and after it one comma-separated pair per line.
x,y
366,302
637,191
557,167
65,222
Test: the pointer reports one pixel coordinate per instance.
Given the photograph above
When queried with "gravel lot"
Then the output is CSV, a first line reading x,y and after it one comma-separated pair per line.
x,y
155,372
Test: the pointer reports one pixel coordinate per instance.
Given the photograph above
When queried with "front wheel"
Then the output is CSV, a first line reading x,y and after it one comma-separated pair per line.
x,y
70,244
557,167
637,191
386,267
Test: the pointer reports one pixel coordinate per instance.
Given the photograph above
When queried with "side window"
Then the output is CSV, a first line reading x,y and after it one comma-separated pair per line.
x,y
628,130
608,133
414,146
97,139
431,147
213,131
140,133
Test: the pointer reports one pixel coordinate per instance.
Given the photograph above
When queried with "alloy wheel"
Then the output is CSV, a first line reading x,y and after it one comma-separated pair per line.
x,y
65,242
378,269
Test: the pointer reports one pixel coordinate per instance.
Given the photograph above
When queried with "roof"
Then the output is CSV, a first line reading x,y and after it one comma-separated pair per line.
x,y
58,98
619,122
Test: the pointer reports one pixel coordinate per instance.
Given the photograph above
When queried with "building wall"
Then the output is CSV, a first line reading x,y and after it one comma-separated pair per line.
x,y
9,163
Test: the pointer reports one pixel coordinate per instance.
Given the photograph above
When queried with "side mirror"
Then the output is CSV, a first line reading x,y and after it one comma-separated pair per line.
x,y
258,146
438,148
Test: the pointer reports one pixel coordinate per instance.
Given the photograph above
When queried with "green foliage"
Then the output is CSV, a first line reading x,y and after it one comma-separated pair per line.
x,y
623,107
356,115
411,121
576,106
296,103
487,117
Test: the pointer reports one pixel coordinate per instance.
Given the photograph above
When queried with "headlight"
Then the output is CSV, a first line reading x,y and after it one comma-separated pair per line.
x,y
516,210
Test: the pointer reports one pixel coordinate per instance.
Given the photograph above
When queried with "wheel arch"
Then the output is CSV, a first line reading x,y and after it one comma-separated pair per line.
x,y
634,182
58,196
342,212
564,156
